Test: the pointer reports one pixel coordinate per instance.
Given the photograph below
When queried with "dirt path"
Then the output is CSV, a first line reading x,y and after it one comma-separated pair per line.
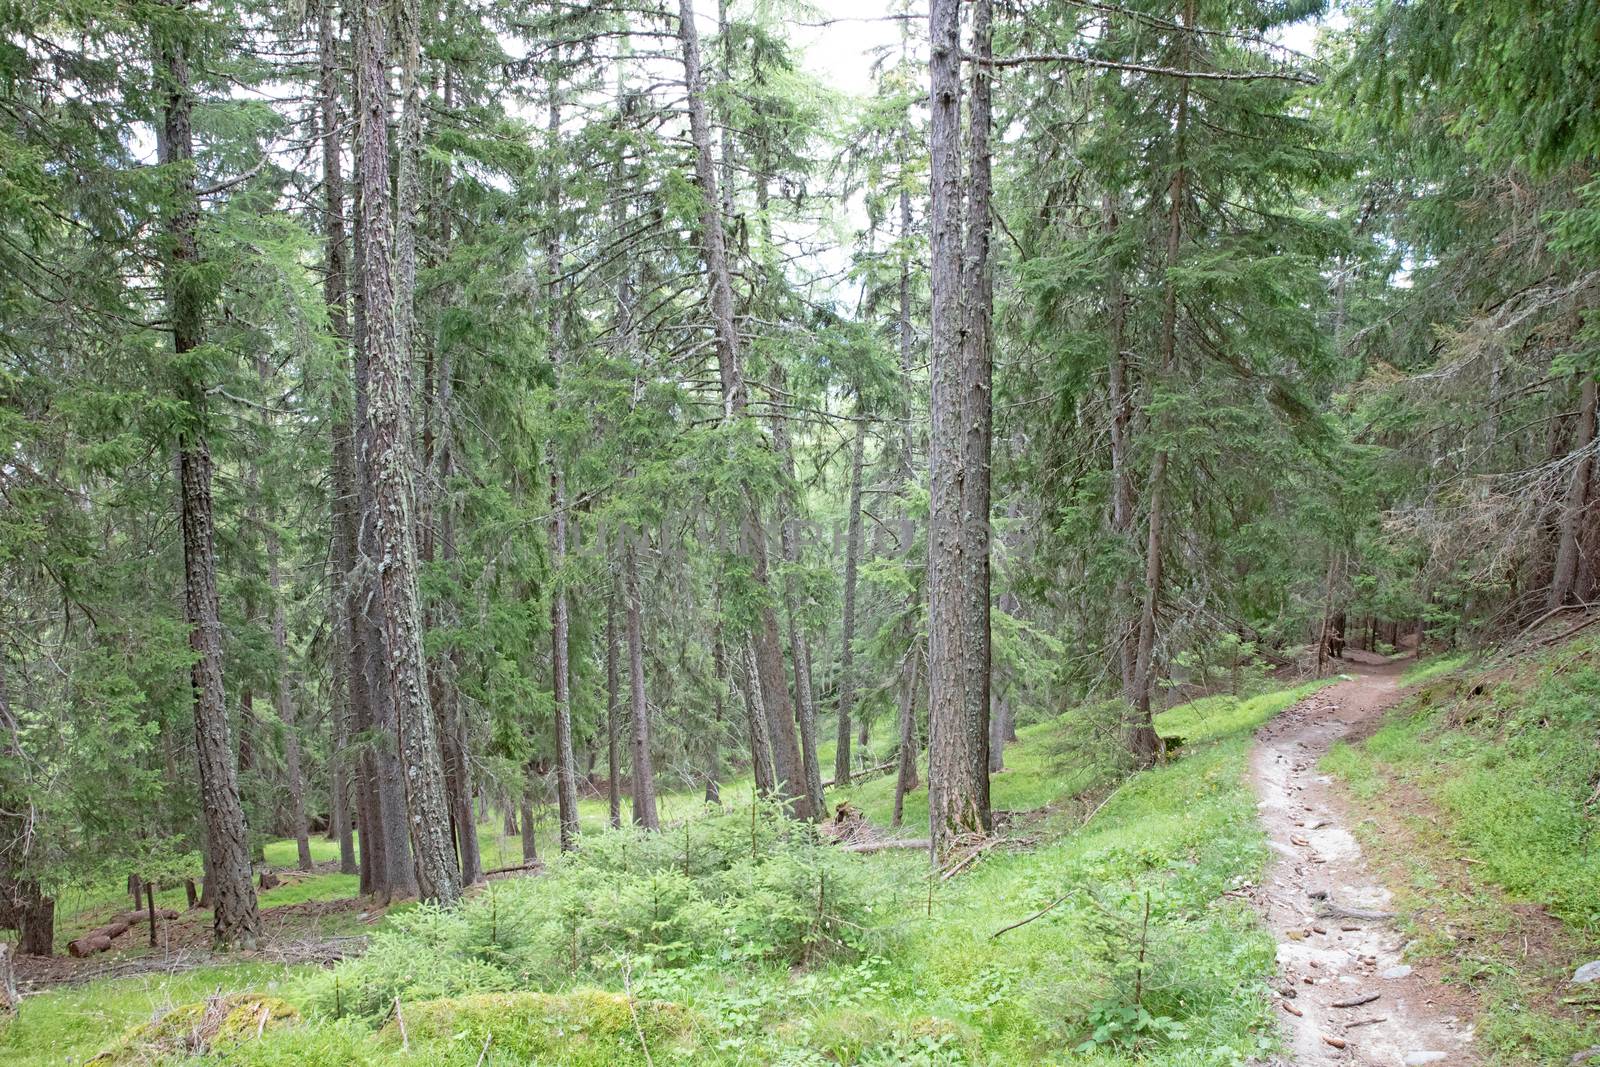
x,y
1328,910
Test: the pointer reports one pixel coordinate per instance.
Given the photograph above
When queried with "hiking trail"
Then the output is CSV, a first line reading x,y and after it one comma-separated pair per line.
x,y
1343,992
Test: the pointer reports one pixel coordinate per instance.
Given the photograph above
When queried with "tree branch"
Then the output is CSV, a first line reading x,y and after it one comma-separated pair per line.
x,y
1142,68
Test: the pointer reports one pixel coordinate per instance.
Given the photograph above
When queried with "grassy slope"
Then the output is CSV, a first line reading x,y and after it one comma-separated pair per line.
x,y
1488,780
1174,840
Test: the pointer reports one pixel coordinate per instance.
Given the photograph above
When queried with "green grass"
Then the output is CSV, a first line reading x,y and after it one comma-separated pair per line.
x,y
1434,667
69,1025
1490,780
1514,770
931,984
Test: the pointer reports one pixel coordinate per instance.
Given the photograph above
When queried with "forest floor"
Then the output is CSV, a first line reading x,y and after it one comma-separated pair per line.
x,y
1155,919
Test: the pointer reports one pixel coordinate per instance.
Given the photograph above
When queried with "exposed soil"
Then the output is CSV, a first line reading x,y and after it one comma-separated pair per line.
x,y
291,933
1345,994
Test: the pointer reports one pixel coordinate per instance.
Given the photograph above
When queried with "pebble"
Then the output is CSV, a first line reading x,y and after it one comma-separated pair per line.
x,y
1392,973
1417,1059
1589,972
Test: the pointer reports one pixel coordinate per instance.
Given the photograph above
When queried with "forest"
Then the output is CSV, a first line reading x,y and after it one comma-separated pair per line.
x,y
978,532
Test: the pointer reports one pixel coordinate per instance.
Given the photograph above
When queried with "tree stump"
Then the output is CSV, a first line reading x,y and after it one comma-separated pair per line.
x,y
8,980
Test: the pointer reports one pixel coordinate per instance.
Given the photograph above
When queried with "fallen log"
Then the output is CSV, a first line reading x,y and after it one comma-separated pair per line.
x,y
868,772
885,845
134,918
99,940
88,945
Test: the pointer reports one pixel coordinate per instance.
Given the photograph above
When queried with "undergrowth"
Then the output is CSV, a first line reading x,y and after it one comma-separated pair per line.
x,y
738,938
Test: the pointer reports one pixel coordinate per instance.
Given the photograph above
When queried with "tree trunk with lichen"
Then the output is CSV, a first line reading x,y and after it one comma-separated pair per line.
x,y
236,923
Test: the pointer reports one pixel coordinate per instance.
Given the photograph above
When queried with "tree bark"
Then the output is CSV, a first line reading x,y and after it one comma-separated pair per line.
x,y
530,836
719,672
36,920
566,778
787,763
393,466
799,645
958,556
285,706
235,919
756,720
613,716
343,467
847,635
1122,497
644,777
906,762
1564,581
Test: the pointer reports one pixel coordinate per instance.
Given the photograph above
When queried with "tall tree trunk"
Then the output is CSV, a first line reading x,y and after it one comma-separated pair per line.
x,y
799,644
1122,502
787,763
1000,723
566,778
756,719
285,705
343,467
235,919
1140,732
644,776
385,856
530,836
21,900
847,635
438,527
719,672
393,465
958,553
1565,580
905,780
613,716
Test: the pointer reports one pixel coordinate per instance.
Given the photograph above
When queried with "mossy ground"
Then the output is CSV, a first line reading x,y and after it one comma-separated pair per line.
x,y
1145,956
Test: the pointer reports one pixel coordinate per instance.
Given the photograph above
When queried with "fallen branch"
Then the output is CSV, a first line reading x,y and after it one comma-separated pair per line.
x,y
970,857
867,773
886,844
405,1039
1038,914
1331,910
526,865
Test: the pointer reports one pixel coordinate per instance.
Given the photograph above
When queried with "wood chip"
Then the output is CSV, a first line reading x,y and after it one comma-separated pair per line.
x,y
1336,1042
1291,1009
1367,1022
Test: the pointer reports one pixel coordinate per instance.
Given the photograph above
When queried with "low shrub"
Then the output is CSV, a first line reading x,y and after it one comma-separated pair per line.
x,y
729,889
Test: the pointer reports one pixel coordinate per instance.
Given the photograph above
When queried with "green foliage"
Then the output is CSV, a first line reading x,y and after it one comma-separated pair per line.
x,y
738,890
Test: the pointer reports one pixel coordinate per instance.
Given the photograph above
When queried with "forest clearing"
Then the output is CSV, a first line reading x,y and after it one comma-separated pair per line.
x,y
983,533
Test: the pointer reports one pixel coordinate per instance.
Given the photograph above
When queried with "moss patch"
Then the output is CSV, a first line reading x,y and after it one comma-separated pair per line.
x,y
192,1029
588,1026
